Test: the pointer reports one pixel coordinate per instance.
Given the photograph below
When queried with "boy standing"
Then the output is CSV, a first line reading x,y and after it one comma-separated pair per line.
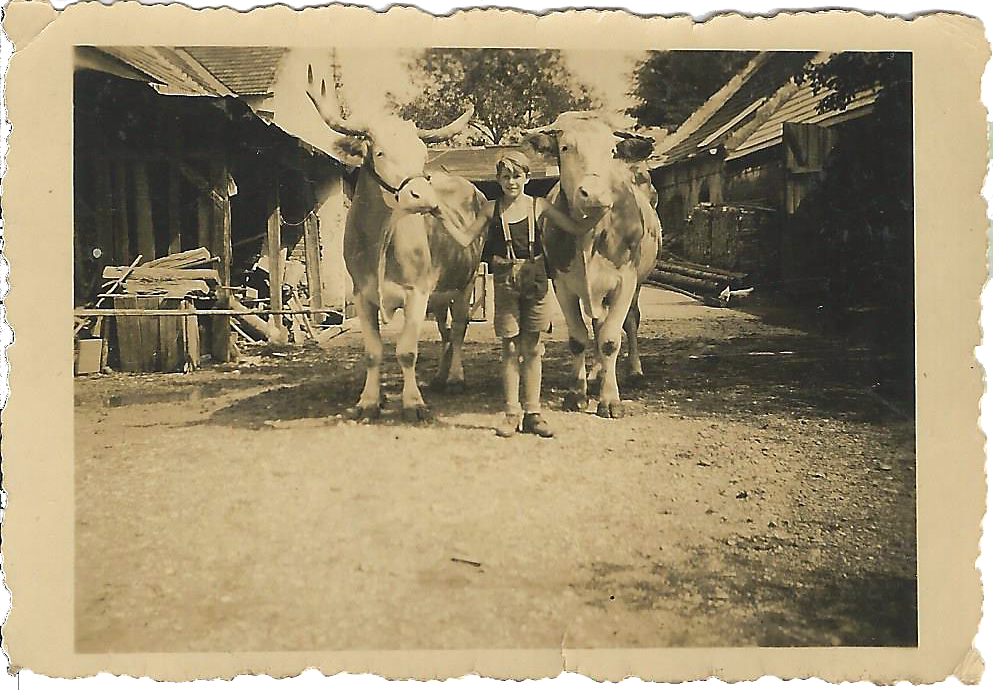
x,y
521,296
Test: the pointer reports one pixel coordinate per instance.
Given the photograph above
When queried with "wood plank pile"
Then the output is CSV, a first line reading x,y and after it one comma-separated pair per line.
x,y
134,329
174,276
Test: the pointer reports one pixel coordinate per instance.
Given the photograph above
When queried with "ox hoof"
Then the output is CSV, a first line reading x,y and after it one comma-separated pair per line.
x,y
636,380
612,410
456,387
574,402
420,413
362,413
437,385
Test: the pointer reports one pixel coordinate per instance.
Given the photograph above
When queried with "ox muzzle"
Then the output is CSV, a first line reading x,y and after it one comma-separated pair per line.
x,y
592,193
414,195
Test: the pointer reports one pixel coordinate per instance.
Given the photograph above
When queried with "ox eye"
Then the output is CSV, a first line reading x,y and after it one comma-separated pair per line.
x,y
379,154
563,148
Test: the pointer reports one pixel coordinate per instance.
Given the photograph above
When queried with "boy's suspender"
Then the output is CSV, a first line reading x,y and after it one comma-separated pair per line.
x,y
531,226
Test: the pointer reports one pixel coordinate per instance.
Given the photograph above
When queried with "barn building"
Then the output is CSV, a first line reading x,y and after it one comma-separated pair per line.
x,y
178,148
733,176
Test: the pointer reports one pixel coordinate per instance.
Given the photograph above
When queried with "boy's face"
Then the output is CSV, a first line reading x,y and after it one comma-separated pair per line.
x,y
512,181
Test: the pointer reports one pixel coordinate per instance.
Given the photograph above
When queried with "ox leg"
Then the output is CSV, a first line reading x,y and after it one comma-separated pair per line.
x,y
460,324
636,376
369,403
609,344
579,336
445,361
595,376
414,310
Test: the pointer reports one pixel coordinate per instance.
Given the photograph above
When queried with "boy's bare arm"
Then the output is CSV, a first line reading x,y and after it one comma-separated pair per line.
x,y
565,222
466,236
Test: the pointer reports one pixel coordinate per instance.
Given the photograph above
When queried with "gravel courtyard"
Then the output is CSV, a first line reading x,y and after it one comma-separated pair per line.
x,y
761,491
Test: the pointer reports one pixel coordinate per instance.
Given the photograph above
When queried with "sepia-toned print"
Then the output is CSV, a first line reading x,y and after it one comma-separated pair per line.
x,y
455,348
493,344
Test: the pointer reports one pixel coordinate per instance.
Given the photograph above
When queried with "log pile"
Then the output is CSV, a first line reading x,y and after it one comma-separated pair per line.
x,y
698,280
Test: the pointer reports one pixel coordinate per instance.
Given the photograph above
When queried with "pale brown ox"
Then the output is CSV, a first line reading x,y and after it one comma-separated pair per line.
x,y
601,272
397,250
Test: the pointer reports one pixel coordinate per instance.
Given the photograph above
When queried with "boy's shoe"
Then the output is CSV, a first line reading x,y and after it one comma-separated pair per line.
x,y
509,425
534,424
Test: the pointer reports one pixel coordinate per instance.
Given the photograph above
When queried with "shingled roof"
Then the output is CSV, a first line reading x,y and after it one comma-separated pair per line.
x,y
246,70
748,114
735,106
803,107
205,70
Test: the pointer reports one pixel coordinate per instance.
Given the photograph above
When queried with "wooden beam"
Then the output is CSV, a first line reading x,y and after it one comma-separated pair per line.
x,y
160,273
84,312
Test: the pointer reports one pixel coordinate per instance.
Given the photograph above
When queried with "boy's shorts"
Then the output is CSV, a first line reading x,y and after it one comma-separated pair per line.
x,y
521,298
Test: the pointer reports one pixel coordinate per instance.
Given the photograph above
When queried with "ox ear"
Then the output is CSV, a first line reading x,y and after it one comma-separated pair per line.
x,y
634,149
542,142
350,150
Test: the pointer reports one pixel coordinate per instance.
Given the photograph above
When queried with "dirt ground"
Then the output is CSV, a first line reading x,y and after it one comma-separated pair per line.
x,y
761,491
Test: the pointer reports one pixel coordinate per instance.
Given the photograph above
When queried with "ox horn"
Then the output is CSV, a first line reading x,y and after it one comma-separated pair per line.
x,y
433,136
331,118
621,134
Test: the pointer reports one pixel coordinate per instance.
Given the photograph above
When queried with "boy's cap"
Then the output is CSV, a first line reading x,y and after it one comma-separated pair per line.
x,y
517,158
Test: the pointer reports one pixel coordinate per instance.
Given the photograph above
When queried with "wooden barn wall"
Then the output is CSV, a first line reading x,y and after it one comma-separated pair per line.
x,y
681,187
151,177
756,180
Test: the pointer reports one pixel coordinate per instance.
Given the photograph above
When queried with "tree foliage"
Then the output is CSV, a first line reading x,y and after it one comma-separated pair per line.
x,y
669,86
511,90
866,244
845,75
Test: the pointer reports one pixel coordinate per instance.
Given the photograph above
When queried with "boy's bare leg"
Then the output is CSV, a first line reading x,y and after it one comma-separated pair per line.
x,y
532,350
509,362
511,373
531,370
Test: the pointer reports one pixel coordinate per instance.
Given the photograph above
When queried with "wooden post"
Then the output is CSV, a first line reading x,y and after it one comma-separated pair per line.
x,y
312,248
143,212
175,216
174,135
220,326
204,203
122,242
104,211
275,253
222,217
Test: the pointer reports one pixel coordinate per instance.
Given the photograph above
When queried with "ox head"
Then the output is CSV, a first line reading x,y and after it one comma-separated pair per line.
x,y
392,150
590,155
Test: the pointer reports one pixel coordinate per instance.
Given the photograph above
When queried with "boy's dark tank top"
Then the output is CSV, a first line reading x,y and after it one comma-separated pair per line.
x,y
496,246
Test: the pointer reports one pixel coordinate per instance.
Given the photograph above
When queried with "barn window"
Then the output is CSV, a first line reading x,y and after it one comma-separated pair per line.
x,y
704,196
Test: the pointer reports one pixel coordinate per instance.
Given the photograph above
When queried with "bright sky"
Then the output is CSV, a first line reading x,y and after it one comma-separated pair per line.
x,y
369,74
608,72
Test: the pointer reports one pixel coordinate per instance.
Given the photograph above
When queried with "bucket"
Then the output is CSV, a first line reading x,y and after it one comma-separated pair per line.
x,y
89,352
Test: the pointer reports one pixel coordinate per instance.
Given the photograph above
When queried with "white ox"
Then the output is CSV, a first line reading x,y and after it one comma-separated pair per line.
x,y
397,250
601,272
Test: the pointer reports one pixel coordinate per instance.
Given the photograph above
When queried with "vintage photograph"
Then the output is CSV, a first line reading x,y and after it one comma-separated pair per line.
x,y
455,348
